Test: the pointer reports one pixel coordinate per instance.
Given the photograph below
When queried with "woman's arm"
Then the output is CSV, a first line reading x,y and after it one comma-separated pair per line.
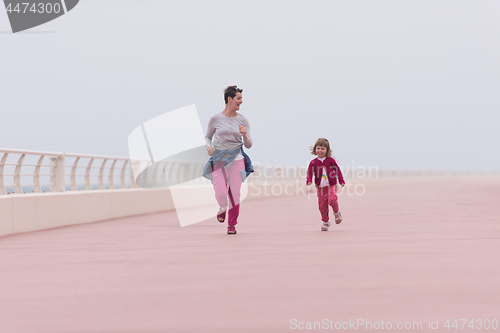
x,y
247,139
210,132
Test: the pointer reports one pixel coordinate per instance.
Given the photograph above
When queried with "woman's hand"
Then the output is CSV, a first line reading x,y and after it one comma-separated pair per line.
x,y
243,132
308,183
210,151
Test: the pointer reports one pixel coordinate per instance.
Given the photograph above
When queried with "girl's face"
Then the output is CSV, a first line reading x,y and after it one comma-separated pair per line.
x,y
321,151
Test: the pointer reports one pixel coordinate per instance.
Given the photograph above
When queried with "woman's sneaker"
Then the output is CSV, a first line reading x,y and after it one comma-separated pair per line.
x,y
221,215
231,230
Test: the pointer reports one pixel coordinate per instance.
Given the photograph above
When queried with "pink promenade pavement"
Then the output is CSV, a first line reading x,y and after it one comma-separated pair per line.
x,y
405,253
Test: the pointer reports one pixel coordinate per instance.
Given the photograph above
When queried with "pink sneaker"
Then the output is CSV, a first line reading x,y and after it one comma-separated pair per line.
x,y
325,226
338,218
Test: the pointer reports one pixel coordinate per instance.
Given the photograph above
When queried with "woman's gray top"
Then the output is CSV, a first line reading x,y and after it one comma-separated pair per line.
x,y
223,132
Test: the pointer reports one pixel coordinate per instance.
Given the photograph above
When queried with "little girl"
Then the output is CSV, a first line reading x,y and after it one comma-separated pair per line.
x,y
326,171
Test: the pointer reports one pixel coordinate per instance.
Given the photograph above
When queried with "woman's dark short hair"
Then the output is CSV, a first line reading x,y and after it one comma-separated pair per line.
x,y
231,91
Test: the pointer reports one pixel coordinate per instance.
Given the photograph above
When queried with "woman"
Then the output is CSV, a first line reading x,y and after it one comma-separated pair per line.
x,y
227,132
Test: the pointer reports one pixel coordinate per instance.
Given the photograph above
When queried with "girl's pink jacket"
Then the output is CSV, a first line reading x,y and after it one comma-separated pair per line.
x,y
332,171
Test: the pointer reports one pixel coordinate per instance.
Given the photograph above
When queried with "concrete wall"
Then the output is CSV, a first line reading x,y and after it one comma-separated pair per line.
x,y
39,211
32,212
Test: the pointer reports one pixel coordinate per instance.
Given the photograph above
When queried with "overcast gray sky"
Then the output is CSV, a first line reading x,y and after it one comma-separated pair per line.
x,y
394,84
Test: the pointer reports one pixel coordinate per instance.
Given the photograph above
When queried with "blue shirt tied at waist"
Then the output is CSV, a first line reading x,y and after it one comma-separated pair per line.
x,y
227,156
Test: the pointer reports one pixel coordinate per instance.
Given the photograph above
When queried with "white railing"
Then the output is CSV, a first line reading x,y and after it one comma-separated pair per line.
x,y
24,171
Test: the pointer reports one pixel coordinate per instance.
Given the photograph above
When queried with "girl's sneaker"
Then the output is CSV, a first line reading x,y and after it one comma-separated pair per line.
x,y
325,226
338,218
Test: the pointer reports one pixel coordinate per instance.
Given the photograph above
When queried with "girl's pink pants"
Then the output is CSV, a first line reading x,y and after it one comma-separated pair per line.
x,y
327,196
222,176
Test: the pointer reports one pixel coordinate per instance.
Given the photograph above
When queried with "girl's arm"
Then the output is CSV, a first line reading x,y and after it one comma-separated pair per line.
x,y
309,173
338,173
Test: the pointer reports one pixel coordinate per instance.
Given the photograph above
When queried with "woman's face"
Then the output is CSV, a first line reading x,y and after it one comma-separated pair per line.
x,y
234,103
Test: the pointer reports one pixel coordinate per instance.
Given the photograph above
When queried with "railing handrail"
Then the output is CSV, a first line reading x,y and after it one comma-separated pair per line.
x,y
51,153
31,152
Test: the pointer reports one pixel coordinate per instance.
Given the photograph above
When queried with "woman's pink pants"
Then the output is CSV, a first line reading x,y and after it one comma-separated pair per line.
x,y
222,176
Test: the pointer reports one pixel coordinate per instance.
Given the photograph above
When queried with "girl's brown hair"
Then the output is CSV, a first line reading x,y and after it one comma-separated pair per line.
x,y
323,143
